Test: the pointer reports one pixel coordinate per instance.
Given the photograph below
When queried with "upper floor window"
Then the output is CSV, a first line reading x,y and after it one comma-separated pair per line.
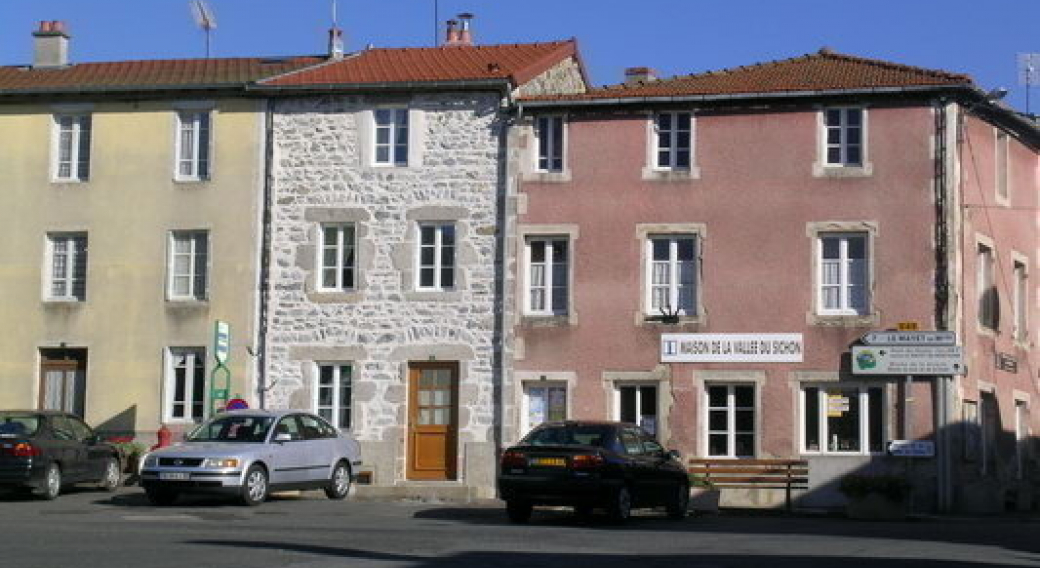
x,y
989,298
549,130
193,145
188,265
672,275
843,143
843,274
674,147
1021,302
436,256
67,262
72,147
1001,158
332,393
547,275
391,140
337,261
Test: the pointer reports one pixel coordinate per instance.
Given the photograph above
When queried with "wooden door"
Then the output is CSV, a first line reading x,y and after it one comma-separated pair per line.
x,y
433,412
63,377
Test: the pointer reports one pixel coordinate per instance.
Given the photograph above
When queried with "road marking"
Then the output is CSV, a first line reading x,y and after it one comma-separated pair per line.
x,y
160,518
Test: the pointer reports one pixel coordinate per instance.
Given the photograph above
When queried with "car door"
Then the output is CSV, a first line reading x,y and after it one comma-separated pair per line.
x,y
662,469
69,450
319,448
96,454
640,468
287,455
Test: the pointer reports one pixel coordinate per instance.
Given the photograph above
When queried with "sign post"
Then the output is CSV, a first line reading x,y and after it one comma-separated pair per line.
x,y
220,378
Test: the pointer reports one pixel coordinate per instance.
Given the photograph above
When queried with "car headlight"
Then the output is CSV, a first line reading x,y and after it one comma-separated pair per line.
x,y
151,462
220,463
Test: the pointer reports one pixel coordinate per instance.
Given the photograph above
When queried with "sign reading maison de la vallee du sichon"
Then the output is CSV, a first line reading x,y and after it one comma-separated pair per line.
x,y
732,348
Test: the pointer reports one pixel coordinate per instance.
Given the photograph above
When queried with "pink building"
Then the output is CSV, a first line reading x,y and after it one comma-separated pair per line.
x,y
702,254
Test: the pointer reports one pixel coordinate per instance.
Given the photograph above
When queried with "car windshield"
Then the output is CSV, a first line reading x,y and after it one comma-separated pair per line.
x,y
18,424
233,429
568,435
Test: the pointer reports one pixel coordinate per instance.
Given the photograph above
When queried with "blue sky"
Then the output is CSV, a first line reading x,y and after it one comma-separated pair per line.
x,y
981,38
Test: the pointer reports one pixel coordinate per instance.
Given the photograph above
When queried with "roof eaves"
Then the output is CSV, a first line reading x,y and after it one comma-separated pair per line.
x,y
496,84
96,89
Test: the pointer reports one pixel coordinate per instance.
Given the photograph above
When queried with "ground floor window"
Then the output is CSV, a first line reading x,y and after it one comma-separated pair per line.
x,y
63,380
543,403
731,420
844,419
637,404
332,393
1021,436
185,386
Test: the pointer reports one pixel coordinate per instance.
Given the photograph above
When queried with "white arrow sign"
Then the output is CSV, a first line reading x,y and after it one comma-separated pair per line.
x,y
910,338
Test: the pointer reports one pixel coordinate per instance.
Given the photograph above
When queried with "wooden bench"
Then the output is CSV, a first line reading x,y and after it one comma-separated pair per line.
x,y
753,474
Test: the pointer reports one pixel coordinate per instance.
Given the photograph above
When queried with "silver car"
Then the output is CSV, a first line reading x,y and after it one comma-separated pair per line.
x,y
250,453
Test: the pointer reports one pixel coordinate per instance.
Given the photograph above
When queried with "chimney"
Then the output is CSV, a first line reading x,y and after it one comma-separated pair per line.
x,y
335,43
452,37
635,75
465,35
50,45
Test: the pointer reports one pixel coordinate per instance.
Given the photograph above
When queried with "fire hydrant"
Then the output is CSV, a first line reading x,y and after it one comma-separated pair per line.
x,y
164,436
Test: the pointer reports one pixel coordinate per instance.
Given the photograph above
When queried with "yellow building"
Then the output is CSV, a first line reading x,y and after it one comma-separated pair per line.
x,y
131,199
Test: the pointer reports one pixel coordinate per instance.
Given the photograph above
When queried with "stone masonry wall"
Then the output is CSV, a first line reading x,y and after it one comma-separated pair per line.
x,y
320,175
563,78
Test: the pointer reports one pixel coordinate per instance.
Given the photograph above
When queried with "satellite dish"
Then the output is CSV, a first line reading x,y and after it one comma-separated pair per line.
x,y
204,18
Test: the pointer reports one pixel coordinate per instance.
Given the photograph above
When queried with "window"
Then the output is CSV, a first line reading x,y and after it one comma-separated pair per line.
x,y
315,428
547,276
672,275
67,262
332,393
1021,436
391,144
843,141
989,298
843,420
1001,159
1021,302
72,147
637,404
193,145
436,256
186,384
972,430
543,403
731,420
189,258
549,130
843,274
674,140
337,261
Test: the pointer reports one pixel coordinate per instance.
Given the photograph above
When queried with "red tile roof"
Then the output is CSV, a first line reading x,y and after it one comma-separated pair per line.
x,y
516,62
822,71
148,75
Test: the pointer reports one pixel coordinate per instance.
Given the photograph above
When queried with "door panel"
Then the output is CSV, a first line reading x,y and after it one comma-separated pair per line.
x,y
63,380
433,421
288,458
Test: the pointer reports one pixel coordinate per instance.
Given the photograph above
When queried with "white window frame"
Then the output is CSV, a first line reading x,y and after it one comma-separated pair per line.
x,y
393,160
985,278
525,402
639,401
821,411
550,287
438,257
340,246
1021,436
557,123
192,356
844,304
189,121
82,125
192,236
72,260
673,262
731,409
1021,300
843,144
656,148
336,408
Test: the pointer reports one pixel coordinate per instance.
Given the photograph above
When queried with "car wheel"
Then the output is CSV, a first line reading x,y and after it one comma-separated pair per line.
x,y
161,497
518,511
254,490
620,508
680,502
51,483
112,476
339,483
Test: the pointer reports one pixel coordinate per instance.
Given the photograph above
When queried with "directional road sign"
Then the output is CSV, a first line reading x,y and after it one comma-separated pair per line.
x,y
921,360
910,338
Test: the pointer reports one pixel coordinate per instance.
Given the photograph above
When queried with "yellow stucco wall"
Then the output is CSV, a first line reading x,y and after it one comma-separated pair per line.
x,y
128,207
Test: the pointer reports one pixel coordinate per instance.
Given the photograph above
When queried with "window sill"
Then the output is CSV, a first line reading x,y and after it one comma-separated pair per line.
x,y
826,320
187,304
335,297
536,321
836,171
433,296
546,177
68,182
647,320
985,330
191,182
655,174
63,302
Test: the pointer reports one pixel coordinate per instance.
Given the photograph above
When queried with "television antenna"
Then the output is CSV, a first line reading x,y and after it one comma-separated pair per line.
x,y
204,18
1028,72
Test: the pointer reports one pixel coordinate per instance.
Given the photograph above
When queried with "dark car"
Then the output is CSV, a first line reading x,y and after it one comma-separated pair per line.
x,y
45,450
588,465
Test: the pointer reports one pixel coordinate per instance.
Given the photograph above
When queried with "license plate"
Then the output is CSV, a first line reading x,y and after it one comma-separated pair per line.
x,y
549,462
173,476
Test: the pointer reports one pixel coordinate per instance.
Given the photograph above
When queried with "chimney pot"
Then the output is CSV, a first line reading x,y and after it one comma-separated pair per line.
x,y
465,34
335,43
51,45
452,37
635,75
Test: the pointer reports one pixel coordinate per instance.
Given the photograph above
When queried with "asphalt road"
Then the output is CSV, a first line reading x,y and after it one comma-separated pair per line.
x,y
91,529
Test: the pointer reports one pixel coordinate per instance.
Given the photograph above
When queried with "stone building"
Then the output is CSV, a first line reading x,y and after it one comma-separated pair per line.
x,y
386,279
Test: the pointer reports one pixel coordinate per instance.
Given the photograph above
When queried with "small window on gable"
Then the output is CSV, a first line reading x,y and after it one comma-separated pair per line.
x,y
673,148
549,131
843,136
193,145
391,137
72,147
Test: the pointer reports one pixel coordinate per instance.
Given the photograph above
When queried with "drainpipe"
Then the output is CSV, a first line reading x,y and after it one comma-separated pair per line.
x,y
265,254
944,385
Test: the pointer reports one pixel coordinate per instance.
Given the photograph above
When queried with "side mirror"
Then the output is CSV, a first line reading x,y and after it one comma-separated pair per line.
x,y
283,437
675,455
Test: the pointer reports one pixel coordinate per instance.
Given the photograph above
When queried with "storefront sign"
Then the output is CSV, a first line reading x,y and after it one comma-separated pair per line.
x,y
924,360
731,348
912,448
910,338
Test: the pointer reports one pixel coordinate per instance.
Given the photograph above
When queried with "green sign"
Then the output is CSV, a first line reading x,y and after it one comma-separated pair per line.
x,y
220,378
